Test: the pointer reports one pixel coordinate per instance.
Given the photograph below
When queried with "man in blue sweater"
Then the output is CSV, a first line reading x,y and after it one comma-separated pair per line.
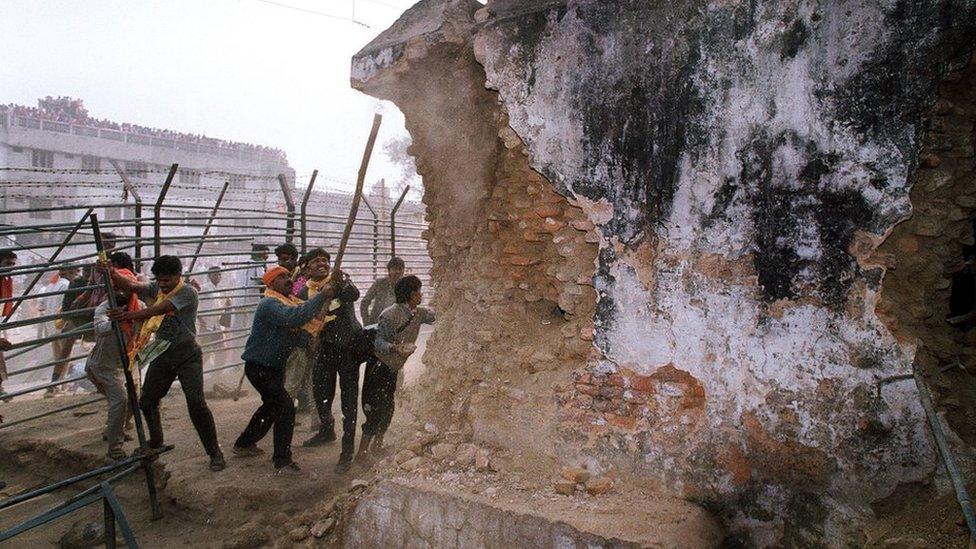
x,y
279,326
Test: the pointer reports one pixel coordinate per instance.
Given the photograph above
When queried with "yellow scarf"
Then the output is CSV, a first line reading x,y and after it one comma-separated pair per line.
x,y
312,326
314,287
151,324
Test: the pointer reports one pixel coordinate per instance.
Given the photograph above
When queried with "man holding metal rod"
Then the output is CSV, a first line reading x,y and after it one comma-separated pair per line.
x,y
282,322
167,343
103,366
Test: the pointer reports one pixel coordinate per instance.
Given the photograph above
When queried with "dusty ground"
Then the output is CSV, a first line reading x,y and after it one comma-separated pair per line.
x,y
199,506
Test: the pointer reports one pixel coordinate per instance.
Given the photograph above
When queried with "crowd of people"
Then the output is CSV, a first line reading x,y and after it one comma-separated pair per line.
x,y
69,110
305,342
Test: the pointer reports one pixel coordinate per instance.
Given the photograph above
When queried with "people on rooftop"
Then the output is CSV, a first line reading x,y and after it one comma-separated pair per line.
x,y
69,110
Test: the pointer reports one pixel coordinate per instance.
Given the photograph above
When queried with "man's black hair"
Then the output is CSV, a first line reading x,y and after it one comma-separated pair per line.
x,y
315,253
109,236
167,265
122,260
259,247
7,254
405,287
214,269
395,262
287,248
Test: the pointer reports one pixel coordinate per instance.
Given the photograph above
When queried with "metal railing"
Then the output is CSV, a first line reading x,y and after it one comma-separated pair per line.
x,y
215,243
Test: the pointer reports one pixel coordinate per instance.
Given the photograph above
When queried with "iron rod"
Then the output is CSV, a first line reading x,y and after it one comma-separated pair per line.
x,y
40,274
206,231
157,244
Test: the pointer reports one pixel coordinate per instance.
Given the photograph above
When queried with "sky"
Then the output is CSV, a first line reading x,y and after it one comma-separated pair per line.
x,y
242,70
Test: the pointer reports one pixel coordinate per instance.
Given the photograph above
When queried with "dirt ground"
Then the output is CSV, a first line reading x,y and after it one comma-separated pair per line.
x,y
199,506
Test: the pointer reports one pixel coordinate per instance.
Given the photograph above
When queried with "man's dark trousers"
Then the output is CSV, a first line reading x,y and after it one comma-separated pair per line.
x,y
184,361
379,384
276,409
336,361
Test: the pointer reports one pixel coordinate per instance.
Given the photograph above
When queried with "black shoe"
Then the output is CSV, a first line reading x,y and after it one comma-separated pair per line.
x,y
343,466
320,439
217,462
290,468
247,451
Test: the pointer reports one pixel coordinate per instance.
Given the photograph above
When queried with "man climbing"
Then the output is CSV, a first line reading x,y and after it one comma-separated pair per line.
x,y
167,342
104,365
396,336
380,295
281,324
336,358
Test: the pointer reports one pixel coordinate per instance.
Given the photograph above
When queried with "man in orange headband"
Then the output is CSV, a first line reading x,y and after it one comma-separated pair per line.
x,y
104,365
278,328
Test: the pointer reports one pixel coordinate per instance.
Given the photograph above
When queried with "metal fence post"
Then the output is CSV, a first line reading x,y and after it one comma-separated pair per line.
x,y
206,230
308,194
290,205
393,213
131,189
126,371
157,233
376,235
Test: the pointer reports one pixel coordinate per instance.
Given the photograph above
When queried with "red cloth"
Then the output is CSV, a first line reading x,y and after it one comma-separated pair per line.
x,y
128,327
7,291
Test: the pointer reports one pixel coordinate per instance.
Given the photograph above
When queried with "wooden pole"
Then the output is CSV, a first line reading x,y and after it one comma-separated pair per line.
x,y
354,210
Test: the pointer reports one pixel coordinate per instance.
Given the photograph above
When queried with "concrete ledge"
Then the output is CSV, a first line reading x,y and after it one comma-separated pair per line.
x,y
417,513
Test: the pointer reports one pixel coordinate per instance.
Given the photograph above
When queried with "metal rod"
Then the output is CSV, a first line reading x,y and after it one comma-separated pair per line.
x,y
137,256
958,484
48,294
130,386
393,214
304,219
360,179
44,365
376,235
109,517
27,346
206,231
149,455
9,424
157,244
290,206
45,318
41,273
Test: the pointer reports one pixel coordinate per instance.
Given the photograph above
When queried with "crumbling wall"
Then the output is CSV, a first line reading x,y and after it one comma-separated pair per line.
x,y
513,260
739,163
925,282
